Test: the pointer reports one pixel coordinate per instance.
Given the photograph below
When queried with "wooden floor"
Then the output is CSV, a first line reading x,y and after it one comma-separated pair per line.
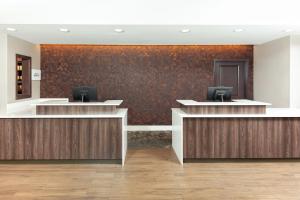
x,y
152,174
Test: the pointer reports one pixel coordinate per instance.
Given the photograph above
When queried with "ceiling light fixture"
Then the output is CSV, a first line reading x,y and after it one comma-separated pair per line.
x,y
185,30
11,29
64,30
118,30
237,30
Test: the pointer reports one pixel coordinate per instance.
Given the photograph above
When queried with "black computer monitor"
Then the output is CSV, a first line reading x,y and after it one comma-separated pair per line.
x,y
85,94
219,93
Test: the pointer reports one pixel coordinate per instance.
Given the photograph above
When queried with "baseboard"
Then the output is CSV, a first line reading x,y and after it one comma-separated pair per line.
x,y
149,128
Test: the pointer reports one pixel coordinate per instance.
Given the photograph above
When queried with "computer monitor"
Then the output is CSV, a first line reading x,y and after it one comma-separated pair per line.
x,y
85,94
219,93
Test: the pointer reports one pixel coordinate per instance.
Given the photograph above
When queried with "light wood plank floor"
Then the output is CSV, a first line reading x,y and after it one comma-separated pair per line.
x,y
152,174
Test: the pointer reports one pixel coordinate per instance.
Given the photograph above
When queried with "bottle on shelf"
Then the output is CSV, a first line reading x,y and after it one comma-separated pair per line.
x,y
19,78
19,67
19,89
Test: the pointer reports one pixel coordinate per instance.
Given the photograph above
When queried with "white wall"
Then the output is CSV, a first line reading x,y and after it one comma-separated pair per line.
x,y
272,72
18,46
295,72
3,72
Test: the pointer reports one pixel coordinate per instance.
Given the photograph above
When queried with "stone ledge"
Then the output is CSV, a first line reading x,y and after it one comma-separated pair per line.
x,y
149,139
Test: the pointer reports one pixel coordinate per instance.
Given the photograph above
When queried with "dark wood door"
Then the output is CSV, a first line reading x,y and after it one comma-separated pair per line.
x,y
232,74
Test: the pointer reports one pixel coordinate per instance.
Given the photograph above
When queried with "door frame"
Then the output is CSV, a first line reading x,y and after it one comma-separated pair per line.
x,y
246,61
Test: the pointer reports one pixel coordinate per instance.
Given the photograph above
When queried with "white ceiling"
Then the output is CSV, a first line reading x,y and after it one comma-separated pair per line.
x,y
148,34
150,21
151,12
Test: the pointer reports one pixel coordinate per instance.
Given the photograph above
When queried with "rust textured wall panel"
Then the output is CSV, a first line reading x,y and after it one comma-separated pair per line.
x,y
149,78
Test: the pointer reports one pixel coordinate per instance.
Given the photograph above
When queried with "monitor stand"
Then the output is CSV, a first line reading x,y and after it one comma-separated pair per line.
x,y
82,97
222,97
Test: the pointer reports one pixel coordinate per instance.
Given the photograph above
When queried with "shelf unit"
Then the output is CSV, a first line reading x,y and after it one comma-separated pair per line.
x,y
23,76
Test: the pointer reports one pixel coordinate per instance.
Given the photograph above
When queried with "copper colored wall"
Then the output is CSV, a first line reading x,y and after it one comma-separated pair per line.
x,y
148,78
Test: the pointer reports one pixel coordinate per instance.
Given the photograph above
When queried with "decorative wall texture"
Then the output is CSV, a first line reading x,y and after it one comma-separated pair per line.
x,y
149,78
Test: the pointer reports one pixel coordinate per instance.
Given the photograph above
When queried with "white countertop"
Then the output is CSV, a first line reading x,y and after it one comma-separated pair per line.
x,y
30,113
67,103
235,102
27,109
270,112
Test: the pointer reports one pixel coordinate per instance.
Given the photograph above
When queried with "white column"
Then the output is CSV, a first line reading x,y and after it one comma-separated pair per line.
x,y
272,72
177,134
295,72
3,72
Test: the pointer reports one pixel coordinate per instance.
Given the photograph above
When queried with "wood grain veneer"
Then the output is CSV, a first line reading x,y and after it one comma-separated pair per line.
x,y
224,109
149,78
241,138
74,110
46,139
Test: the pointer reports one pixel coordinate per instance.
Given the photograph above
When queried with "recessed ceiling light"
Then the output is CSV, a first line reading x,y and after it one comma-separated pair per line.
x,y
64,30
118,30
237,30
185,30
288,30
11,29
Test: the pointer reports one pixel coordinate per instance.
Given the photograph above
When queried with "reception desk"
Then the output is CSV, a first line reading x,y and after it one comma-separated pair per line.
x,y
57,133
273,134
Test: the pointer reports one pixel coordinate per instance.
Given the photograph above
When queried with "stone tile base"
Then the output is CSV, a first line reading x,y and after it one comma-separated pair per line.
x,y
149,139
